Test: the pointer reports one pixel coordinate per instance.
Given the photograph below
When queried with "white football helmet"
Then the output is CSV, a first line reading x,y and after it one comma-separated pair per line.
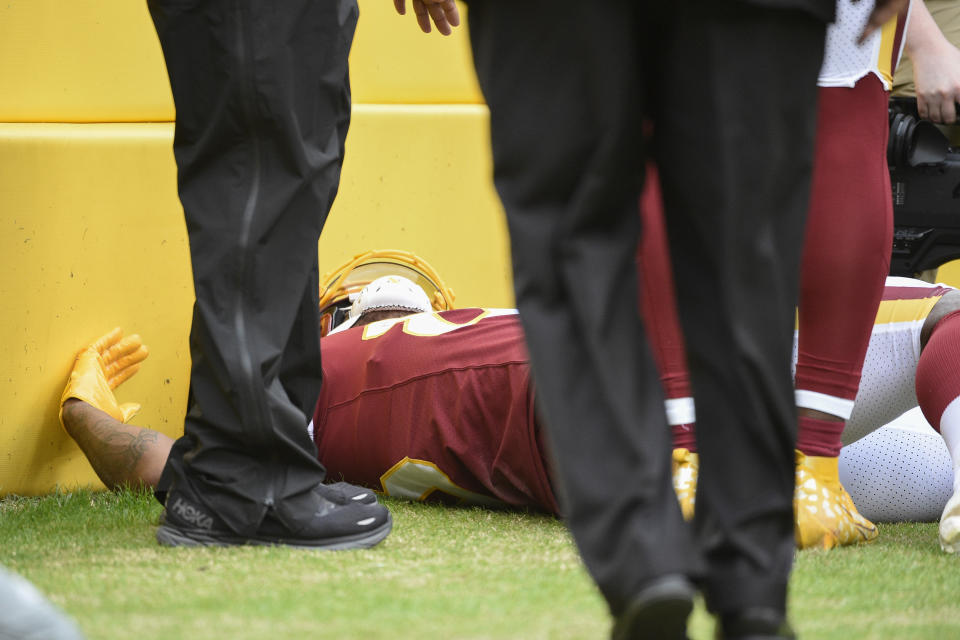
x,y
387,293
340,290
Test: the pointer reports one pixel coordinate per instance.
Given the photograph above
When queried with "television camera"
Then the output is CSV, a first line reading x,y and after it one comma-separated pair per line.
x,y
925,182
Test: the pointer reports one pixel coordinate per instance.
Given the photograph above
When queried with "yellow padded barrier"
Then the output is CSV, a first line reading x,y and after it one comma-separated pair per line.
x,y
418,178
81,61
100,61
393,62
93,237
950,274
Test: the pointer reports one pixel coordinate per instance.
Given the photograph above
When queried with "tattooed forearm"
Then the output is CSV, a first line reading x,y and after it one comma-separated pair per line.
x,y
123,446
114,449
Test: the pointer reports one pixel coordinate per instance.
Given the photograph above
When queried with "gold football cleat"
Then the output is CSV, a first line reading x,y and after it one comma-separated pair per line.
x,y
824,514
686,466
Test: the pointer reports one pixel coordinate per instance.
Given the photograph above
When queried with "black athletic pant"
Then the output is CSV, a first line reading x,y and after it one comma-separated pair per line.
x,y
263,104
731,91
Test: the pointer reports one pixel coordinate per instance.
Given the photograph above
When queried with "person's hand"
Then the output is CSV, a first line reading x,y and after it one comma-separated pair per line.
x,y
444,14
883,10
101,368
937,79
936,67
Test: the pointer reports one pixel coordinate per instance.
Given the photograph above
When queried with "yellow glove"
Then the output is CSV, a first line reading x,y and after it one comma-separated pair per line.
x,y
100,368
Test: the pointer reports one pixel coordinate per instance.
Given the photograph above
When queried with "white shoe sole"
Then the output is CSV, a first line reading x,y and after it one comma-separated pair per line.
x,y
950,525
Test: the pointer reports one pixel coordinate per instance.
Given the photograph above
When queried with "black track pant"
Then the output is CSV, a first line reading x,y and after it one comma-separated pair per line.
x,y
263,104
731,91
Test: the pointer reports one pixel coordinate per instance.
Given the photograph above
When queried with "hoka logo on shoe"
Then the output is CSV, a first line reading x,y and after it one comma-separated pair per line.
x,y
191,514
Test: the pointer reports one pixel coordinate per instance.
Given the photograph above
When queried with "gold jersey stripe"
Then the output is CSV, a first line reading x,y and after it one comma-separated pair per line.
x,y
888,38
899,310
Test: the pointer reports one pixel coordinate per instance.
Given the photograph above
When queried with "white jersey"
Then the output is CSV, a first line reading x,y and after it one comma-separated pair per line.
x,y
845,62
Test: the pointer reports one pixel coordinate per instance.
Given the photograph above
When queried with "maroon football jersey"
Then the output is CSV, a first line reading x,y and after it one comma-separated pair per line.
x,y
434,406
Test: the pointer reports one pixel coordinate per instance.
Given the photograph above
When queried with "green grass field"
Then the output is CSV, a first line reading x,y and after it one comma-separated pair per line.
x,y
442,573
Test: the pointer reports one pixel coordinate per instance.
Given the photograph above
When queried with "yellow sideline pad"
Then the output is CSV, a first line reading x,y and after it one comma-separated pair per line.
x,y
93,235
99,61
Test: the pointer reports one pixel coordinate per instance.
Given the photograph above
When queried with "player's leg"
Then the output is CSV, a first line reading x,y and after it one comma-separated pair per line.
x,y
846,254
659,308
122,455
938,392
845,261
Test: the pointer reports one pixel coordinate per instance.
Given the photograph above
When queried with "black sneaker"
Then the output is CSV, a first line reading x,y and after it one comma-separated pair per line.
x,y
350,524
346,493
659,611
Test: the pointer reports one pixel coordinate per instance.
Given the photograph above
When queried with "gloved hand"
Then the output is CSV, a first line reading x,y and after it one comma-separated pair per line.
x,y
100,368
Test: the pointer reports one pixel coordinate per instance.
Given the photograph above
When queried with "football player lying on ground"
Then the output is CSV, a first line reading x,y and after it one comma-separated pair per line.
x,y
439,404
453,417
